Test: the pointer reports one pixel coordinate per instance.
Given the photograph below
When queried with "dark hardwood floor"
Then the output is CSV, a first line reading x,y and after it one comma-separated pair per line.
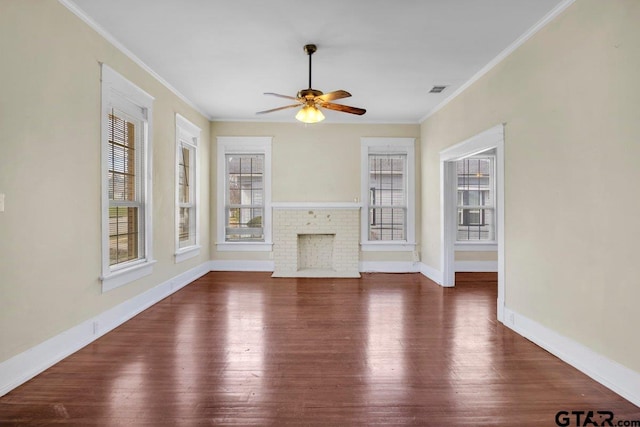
x,y
246,349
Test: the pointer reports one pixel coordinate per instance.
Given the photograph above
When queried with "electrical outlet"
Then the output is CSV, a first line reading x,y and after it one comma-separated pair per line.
x,y
1,202
416,256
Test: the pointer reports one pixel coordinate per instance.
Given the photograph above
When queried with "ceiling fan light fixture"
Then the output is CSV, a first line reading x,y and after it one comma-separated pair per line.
x,y
310,99
310,114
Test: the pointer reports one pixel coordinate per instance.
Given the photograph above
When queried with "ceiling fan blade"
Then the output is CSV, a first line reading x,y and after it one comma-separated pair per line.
x,y
278,109
343,108
336,94
281,96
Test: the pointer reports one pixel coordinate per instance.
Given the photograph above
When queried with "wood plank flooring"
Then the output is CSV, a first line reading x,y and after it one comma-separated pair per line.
x,y
246,349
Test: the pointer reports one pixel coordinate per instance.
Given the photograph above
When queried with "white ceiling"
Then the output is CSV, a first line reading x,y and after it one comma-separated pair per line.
x,y
223,54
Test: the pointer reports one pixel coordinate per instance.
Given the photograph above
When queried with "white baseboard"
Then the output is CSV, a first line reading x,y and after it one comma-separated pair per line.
x,y
476,266
389,267
607,372
501,308
238,265
431,273
26,365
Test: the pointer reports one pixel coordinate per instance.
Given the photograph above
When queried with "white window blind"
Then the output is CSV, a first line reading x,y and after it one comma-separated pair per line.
x,y
125,192
186,196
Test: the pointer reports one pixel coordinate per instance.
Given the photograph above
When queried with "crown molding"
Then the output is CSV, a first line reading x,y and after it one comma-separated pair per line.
x,y
73,8
502,55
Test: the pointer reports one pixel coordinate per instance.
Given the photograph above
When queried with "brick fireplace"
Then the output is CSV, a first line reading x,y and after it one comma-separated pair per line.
x,y
316,239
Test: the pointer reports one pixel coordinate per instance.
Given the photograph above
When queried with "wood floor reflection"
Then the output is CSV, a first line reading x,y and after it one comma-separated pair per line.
x,y
246,349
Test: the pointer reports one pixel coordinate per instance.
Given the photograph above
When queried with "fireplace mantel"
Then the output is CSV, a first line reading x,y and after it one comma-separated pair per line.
x,y
316,205
295,220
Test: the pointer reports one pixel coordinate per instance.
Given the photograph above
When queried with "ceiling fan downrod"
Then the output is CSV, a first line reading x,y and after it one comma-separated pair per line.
x,y
310,49
309,94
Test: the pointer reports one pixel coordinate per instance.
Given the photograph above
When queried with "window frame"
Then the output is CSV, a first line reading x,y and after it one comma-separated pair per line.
x,y
402,146
119,93
187,136
480,245
243,145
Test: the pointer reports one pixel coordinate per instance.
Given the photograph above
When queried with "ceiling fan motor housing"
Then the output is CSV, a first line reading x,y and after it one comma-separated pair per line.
x,y
308,94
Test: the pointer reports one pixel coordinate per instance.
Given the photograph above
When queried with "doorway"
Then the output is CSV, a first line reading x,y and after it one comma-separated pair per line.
x,y
491,139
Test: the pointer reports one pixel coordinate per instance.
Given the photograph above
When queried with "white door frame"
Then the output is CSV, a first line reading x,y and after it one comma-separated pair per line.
x,y
489,139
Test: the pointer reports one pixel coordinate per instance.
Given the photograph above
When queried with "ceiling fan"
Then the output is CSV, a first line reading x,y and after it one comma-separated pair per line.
x,y
312,99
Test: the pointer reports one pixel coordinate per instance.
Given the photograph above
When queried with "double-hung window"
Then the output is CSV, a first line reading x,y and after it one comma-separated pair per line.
x,y
388,175
126,183
244,207
387,197
187,137
476,205
244,193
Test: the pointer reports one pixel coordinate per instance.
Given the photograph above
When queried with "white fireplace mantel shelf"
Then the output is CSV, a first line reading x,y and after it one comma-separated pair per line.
x,y
316,205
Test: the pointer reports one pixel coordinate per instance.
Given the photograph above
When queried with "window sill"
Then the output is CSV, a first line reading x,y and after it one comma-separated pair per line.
x,y
184,254
476,246
121,277
387,247
244,246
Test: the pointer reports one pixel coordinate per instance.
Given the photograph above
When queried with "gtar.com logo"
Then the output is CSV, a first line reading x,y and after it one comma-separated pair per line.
x,y
591,418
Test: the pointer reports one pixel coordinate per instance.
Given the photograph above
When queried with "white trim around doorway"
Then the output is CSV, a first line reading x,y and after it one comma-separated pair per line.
x,y
489,139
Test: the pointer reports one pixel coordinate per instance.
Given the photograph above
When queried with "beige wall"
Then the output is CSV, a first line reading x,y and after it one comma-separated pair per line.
x,y
50,236
313,163
569,99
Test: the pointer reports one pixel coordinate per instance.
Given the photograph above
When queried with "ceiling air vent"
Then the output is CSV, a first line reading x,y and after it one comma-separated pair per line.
x,y
437,89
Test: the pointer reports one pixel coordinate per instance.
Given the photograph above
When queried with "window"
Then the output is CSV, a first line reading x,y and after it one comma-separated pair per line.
x,y
126,112
387,196
388,215
187,136
476,208
244,205
244,193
